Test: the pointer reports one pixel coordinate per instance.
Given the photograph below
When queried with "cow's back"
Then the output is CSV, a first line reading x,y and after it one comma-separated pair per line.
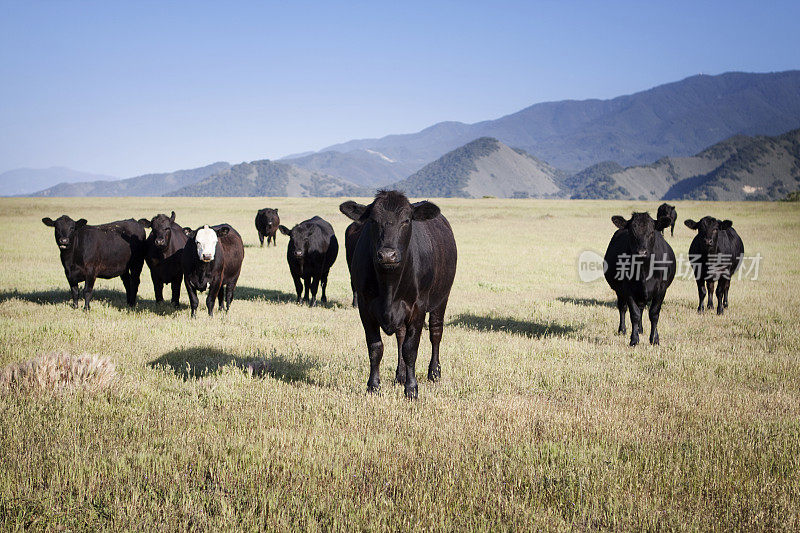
x,y
436,248
618,246
232,249
108,249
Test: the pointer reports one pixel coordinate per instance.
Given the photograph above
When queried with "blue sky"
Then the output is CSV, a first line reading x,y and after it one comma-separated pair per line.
x,y
126,88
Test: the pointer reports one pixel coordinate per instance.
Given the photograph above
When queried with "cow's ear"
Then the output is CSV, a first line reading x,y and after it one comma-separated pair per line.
x,y
662,223
725,224
353,210
221,232
144,222
619,221
189,232
425,211
172,218
691,224
80,223
48,221
284,230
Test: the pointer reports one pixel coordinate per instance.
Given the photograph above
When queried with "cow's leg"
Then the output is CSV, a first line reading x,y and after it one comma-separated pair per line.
x,y
261,239
273,240
400,372
355,298
75,292
701,292
721,289
176,291
672,230
307,281
213,290
221,297
87,290
374,349
636,320
710,287
655,312
136,267
410,349
621,307
158,287
193,300
725,295
436,327
324,282
298,286
314,288
229,289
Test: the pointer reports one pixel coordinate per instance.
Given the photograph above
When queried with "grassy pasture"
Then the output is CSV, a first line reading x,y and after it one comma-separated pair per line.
x,y
544,417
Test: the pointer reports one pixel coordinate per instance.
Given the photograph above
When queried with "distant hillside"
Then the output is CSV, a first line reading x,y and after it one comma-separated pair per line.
x,y
362,167
28,180
270,178
484,167
676,119
739,168
147,185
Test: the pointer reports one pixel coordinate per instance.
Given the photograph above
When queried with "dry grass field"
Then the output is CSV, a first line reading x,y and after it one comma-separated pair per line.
x,y
544,418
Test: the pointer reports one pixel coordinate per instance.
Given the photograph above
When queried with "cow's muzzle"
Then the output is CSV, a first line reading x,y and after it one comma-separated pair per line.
x,y
207,258
388,258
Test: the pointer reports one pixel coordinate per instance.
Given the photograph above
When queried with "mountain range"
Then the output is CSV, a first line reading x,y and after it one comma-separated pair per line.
x,y
603,148
29,180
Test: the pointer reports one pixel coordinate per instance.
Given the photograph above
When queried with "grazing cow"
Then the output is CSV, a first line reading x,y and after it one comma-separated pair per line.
x,y
311,252
164,250
267,222
105,251
715,253
403,267
666,210
640,266
351,235
212,259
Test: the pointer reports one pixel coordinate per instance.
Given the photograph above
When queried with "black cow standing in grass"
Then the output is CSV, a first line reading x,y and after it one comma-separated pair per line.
x,y
403,267
212,259
715,253
311,252
640,268
666,210
351,235
164,251
105,251
267,222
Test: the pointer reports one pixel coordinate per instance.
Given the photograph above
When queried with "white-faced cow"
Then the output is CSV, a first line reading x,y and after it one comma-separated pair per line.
x,y
105,251
212,259
267,222
640,266
403,267
164,251
715,253
666,210
311,252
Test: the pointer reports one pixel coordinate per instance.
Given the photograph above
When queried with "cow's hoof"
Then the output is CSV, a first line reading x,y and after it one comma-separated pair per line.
x,y
720,310
700,310
654,341
411,392
373,388
434,375
634,342
400,377
622,331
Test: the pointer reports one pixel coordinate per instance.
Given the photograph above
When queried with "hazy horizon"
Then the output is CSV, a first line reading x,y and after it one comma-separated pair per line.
x,y
125,90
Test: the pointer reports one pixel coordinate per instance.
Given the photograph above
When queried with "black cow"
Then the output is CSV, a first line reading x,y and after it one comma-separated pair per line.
x,y
640,268
105,251
666,210
164,251
403,267
212,259
311,252
267,222
351,235
715,253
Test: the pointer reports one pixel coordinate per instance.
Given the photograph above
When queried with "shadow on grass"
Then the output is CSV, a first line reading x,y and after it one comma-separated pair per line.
x,y
587,302
265,247
193,363
512,325
113,298
270,295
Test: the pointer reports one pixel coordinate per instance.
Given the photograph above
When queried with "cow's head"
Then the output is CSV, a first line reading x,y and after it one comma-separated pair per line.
x,y
641,231
65,229
300,238
160,229
270,215
206,240
708,230
390,215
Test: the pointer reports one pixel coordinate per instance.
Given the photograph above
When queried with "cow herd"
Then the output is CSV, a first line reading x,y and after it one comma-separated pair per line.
x,y
402,262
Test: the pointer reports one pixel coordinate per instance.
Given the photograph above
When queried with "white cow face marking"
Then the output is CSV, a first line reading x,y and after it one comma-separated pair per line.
x,y
206,239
